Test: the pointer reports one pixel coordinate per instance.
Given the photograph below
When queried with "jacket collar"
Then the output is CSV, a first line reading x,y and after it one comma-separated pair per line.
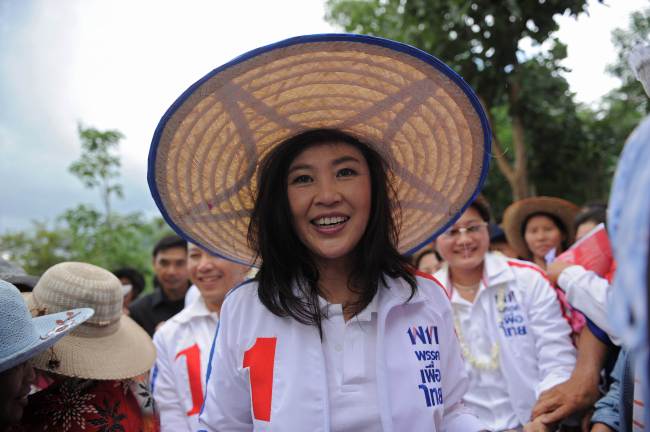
x,y
495,271
196,309
394,293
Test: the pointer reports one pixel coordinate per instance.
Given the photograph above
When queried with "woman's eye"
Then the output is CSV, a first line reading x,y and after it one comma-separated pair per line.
x,y
346,172
301,179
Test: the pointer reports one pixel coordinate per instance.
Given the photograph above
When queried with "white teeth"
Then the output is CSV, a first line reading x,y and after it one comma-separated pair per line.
x,y
325,221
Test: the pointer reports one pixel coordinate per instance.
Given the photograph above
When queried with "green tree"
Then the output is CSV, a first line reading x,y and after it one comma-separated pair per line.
x,y
480,39
98,166
82,233
630,96
35,249
78,235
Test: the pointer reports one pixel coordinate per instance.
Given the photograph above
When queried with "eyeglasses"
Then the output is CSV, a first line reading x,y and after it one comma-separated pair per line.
x,y
455,233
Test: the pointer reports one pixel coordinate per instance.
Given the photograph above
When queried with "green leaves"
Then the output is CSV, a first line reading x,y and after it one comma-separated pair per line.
x,y
98,166
83,233
550,144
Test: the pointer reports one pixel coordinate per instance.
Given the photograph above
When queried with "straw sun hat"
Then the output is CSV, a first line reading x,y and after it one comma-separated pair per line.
x,y
518,212
408,105
22,336
110,345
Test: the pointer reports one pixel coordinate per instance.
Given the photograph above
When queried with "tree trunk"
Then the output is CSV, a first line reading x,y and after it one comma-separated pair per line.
x,y
516,172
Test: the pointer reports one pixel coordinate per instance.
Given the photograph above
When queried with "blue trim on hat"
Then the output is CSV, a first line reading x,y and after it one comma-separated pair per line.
x,y
327,37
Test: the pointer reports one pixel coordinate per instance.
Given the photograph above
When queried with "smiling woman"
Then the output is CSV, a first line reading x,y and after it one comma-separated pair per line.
x,y
333,189
325,159
513,337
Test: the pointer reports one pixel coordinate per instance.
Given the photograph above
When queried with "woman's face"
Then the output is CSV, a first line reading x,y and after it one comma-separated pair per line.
x,y
329,192
429,263
542,235
15,384
464,245
213,276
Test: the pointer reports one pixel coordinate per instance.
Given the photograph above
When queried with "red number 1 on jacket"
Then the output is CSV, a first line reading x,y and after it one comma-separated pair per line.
x,y
193,361
259,360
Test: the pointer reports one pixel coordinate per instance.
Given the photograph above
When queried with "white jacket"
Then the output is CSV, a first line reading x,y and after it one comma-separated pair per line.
x,y
590,294
415,343
178,378
535,349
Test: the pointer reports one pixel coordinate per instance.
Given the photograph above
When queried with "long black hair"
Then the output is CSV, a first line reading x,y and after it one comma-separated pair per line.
x,y
285,260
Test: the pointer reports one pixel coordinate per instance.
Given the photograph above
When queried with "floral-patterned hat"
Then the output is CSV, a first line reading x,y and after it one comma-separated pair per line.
x,y
24,337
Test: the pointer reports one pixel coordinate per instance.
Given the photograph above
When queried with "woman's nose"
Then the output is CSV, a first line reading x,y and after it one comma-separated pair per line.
x,y
328,193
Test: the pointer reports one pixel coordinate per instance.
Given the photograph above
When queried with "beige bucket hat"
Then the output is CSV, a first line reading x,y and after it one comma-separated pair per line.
x,y
414,110
108,346
516,214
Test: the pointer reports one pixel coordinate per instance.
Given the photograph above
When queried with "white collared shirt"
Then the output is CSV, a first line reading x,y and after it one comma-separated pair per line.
x,y
486,396
351,364
178,378
269,373
535,349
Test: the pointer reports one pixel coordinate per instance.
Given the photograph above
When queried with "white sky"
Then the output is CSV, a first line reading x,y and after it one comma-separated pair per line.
x,y
119,64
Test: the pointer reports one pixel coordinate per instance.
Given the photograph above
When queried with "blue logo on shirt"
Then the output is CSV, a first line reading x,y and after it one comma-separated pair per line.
x,y
430,376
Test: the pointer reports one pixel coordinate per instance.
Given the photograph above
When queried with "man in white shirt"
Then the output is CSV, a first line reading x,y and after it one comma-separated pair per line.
x,y
183,342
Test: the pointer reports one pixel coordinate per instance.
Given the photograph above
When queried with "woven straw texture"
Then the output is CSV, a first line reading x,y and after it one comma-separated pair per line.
x,y
517,212
205,155
110,345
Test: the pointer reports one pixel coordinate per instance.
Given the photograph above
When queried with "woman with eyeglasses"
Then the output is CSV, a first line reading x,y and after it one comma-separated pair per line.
x,y
513,337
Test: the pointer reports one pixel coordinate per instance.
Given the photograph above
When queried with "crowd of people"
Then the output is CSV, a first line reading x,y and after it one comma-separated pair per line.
x,y
337,269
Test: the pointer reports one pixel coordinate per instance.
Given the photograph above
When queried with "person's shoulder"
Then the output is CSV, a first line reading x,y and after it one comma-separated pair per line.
x,y
142,303
526,268
244,293
168,329
432,287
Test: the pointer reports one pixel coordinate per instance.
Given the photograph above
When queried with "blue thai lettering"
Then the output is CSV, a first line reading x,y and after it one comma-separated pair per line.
x,y
427,355
424,335
513,319
430,375
427,396
432,396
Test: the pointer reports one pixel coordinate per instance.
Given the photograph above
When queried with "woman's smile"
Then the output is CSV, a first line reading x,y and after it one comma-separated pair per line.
x,y
328,187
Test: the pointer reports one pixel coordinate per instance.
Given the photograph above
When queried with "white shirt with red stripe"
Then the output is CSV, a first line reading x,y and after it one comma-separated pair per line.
x,y
178,378
270,373
535,349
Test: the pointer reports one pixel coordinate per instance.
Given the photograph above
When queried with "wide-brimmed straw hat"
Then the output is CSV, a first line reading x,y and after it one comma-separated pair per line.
x,y
110,345
22,336
518,212
420,115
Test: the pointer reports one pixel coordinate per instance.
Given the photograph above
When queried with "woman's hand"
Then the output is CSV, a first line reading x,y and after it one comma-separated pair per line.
x,y
578,393
537,426
554,269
